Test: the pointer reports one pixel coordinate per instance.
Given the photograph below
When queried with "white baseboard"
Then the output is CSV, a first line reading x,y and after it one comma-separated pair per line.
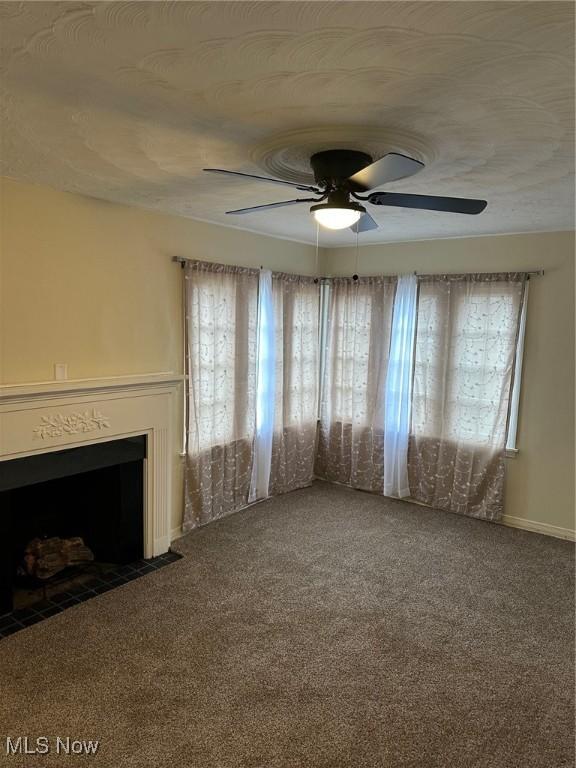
x,y
536,527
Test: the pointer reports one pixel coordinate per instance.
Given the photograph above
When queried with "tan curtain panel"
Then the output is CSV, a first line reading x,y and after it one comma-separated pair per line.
x,y
296,303
467,331
351,434
221,319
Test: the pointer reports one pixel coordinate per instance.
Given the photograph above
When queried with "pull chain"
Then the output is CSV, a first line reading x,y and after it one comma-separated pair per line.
x,y
317,238
355,275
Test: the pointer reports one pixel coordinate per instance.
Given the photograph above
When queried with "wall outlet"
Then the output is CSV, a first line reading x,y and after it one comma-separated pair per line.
x,y
60,371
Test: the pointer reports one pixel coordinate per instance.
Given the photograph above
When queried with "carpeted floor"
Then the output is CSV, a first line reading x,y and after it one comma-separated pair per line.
x,y
325,628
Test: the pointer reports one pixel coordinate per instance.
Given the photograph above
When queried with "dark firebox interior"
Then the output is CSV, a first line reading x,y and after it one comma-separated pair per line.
x,y
95,492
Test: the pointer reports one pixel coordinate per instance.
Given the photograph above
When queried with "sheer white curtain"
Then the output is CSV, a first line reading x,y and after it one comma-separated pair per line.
x,y
265,389
221,324
351,434
296,301
466,339
398,393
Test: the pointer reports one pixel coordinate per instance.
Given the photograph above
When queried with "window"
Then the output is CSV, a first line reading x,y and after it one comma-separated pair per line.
x,y
350,357
465,352
222,333
296,308
358,338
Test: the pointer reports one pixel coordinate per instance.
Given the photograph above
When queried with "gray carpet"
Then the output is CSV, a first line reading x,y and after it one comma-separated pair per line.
x,y
325,628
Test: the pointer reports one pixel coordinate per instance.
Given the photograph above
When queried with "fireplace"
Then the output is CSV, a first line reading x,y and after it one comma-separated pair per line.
x,y
90,459
94,492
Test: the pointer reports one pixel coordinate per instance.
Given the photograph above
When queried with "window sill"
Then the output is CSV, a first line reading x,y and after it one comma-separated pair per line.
x,y
511,453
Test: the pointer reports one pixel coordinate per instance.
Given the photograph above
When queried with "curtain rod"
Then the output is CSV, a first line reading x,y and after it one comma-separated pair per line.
x,y
539,272
182,260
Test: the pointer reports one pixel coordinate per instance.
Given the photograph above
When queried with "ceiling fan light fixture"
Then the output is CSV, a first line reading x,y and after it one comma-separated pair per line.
x,y
340,173
338,216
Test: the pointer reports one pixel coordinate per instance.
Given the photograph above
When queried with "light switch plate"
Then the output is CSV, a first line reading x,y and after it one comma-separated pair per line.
x,y
60,371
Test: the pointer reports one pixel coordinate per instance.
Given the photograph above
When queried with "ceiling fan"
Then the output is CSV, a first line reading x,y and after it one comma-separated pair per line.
x,y
341,174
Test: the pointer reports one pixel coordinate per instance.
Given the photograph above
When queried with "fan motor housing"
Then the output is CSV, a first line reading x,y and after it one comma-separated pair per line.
x,y
333,166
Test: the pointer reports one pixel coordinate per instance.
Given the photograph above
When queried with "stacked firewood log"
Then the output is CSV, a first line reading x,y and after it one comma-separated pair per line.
x,y
44,558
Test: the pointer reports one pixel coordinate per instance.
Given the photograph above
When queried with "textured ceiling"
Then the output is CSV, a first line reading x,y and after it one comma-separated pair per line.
x,y
129,101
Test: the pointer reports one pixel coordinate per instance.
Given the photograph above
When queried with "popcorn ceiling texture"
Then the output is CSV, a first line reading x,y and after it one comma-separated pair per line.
x,y
129,101
325,628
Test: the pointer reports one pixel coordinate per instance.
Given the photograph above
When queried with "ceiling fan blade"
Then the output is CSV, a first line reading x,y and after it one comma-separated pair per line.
x,y
303,187
268,206
391,167
364,224
428,202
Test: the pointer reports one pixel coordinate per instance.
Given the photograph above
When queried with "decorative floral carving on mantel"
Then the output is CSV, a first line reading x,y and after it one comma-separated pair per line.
x,y
60,424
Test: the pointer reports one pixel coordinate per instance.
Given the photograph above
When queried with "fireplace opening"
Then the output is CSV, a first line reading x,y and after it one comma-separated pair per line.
x,y
74,511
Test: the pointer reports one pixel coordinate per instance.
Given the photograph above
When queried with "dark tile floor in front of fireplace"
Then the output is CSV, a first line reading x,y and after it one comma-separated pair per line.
x,y
79,593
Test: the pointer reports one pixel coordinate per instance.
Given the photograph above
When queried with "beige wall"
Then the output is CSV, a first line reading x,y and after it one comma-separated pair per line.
x,y
540,483
92,284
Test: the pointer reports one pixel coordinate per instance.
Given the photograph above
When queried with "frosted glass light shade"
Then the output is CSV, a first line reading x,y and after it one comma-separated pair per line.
x,y
337,218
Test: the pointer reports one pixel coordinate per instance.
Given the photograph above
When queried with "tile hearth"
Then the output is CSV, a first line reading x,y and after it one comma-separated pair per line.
x,y
80,592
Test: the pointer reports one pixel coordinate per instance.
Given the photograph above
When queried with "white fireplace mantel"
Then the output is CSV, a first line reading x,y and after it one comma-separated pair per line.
x,y
53,416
